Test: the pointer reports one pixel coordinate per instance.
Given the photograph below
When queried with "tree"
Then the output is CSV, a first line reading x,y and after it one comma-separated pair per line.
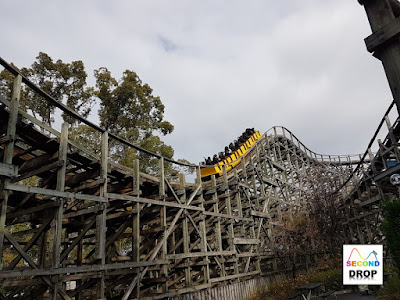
x,y
129,106
65,82
129,109
6,83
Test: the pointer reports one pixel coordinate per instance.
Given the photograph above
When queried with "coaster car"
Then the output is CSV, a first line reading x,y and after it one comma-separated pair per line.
x,y
233,159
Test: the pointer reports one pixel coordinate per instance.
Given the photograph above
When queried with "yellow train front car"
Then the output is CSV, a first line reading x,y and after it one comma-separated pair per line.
x,y
232,160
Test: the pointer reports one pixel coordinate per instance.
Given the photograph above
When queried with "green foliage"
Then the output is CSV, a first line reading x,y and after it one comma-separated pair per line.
x,y
391,228
129,110
86,137
65,82
129,105
391,289
6,83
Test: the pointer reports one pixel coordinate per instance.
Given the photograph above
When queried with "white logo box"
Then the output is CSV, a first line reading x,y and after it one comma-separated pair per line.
x,y
362,264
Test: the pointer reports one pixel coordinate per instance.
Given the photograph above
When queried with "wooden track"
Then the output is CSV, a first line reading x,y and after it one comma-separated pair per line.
x,y
76,225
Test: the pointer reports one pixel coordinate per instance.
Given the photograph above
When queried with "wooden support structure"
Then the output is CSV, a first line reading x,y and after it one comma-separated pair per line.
x,y
384,40
8,159
79,225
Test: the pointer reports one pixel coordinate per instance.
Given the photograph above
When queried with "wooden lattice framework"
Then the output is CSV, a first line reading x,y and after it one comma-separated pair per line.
x,y
65,211
179,237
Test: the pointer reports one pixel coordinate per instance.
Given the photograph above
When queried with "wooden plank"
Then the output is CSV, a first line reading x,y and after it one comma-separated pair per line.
x,y
248,254
112,196
243,241
57,134
79,269
37,162
259,214
209,213
383,35
32,209
8,170
55,193
200,254
81,212
230,277
38,171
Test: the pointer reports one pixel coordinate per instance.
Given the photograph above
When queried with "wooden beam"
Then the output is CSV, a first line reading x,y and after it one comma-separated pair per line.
x,y
259,214
8,158
43,169
80,269
54,193
112,196
200,254
31,210
55,244
230,277
8,170
242,241
101,219
381,16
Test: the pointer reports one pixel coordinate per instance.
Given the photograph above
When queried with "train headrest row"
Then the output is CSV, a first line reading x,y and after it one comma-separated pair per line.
x,y
233,146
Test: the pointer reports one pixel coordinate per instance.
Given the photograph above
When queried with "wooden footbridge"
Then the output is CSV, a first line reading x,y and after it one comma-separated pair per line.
x,y
76,225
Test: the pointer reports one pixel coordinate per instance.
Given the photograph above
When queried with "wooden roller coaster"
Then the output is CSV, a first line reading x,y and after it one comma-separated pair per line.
x,y
77,225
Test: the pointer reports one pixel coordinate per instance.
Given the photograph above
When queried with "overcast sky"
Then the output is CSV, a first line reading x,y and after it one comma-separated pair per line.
x,y
221,66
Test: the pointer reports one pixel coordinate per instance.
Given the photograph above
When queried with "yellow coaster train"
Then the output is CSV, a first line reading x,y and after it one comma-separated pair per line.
x,y
233,159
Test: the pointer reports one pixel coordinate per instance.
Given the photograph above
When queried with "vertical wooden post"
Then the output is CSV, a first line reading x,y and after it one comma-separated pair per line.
x,y
79,258
185,233
203,231
136,224
163,218
218,234
381,15
101,226
231,232
8,157
56,246
136,177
